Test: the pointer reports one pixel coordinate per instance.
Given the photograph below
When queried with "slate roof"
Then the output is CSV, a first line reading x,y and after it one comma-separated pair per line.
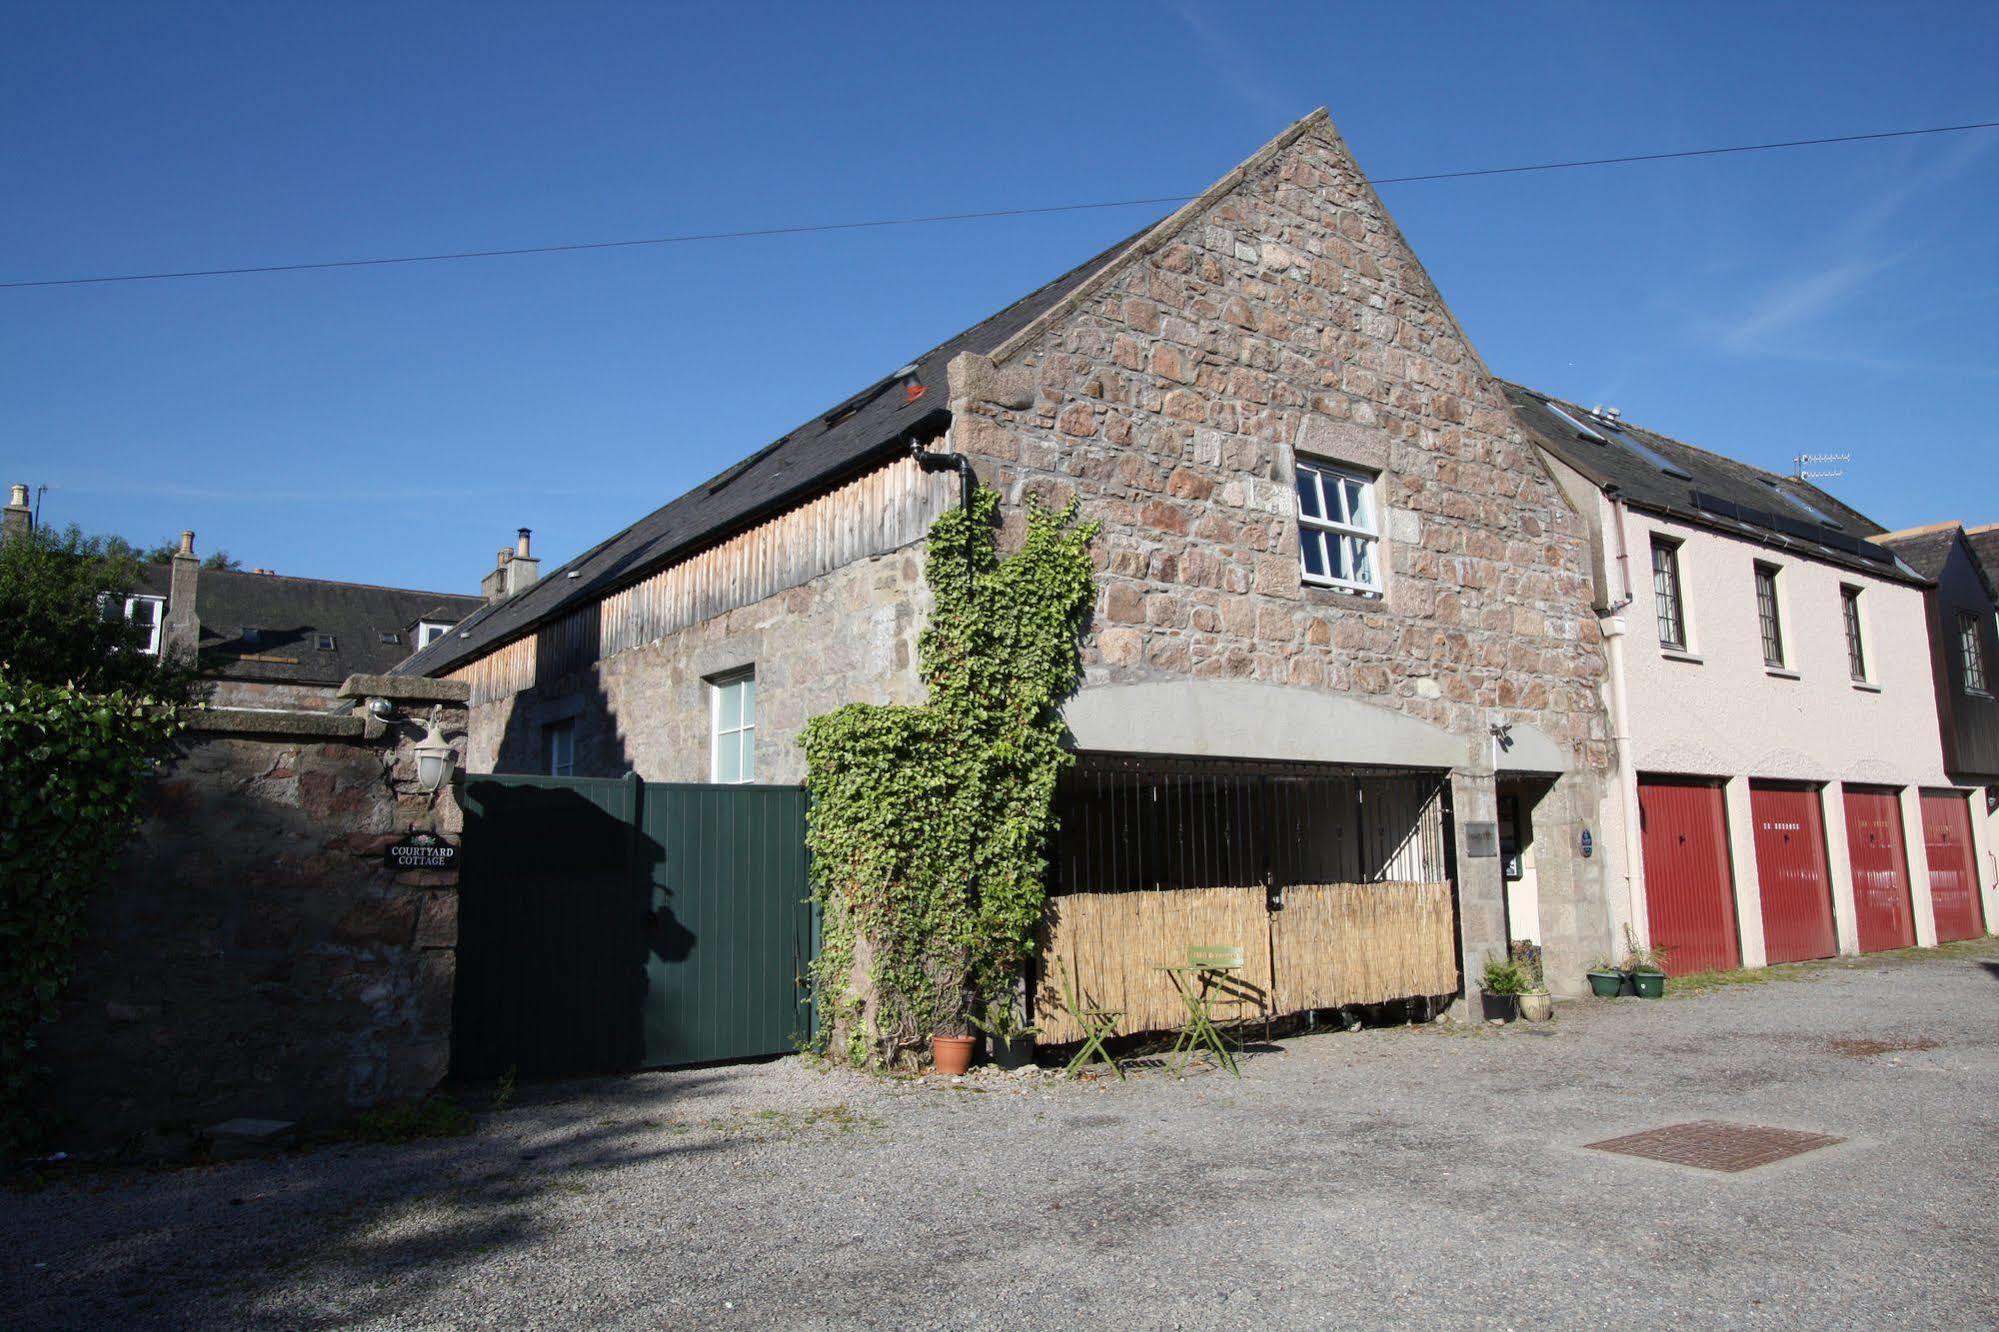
x,y
1705,489
290,614
1924,549
852,437
1927,551
1985,544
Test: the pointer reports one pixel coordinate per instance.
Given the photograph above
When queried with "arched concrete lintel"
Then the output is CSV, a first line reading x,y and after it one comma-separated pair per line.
x,y
1243,719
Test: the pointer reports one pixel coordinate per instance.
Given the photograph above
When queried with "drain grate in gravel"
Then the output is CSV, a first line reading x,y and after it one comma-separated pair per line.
x,y
1710,1144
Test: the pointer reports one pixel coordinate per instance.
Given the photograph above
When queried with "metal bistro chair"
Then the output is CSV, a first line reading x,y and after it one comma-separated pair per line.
x,y
1097,1024
1209,982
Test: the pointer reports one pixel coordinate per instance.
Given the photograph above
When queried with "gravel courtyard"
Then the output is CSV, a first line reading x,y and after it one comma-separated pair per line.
x,y
1409,1176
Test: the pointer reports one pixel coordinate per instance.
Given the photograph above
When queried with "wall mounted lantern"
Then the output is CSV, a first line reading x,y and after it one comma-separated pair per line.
x,y
434,755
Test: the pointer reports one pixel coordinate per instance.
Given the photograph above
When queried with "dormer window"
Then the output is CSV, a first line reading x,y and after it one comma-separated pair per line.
x,y
429,631
146,614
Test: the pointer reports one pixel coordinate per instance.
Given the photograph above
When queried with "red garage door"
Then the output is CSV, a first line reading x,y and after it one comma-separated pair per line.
x,y
1880,869
1689,892
1790,863
1953,878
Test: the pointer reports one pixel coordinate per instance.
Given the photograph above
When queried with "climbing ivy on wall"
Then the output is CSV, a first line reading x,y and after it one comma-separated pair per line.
x,y
930,823
73,767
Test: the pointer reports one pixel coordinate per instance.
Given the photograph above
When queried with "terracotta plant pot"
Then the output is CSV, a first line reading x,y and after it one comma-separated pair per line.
x,y
951,1054
1537,1006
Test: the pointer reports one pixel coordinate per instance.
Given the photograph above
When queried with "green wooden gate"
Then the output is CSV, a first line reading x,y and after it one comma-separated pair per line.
x,y
607,925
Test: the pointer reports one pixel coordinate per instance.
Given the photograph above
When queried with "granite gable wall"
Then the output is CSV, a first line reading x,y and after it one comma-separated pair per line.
x,y
1289,318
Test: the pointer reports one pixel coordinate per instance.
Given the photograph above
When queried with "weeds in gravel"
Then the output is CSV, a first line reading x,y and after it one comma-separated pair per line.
x,y
1867,1049
1704,982
408,1121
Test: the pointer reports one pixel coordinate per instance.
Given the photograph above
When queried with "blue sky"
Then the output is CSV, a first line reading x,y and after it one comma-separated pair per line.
x,y
396,424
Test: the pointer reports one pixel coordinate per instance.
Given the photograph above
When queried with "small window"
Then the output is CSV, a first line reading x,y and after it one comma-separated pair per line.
x,y
1339,528
1856,648
145,613
733,712
429,631
1973,652
326,642
1666,594
1766,610
391,637
558,745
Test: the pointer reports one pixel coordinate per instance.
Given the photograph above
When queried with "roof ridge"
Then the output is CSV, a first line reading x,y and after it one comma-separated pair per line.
x,y
341,582
1924,530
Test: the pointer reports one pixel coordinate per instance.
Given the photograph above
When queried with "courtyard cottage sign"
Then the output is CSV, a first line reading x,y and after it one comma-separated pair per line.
x,y
421,851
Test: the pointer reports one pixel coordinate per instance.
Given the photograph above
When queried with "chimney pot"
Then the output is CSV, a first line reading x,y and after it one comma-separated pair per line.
x,y
187,543
521,545
20,496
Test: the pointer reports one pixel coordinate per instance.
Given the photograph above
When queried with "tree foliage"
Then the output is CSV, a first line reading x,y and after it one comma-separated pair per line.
x,y
73,767
930,824
61,617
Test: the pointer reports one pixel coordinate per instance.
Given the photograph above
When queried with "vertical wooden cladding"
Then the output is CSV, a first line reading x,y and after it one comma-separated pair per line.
x,y
1953,867
1880,869
1791,866
1689,889
885,510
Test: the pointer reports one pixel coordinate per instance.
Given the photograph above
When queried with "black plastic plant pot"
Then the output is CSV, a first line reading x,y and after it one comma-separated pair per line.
x,y
1625,985
1499,1007
1011,1052
1606,984
1649,984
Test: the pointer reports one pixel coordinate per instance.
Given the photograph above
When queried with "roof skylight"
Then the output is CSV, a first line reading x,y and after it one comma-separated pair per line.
x,y
1804,506
1650,455
1581,429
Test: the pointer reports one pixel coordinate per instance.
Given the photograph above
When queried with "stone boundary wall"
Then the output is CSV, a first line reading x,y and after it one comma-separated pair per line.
x,y
253,955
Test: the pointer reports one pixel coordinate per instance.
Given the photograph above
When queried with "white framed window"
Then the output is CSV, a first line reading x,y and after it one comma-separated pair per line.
x,y
1339,528
428,632
147,613
558,745
1973,652
732,713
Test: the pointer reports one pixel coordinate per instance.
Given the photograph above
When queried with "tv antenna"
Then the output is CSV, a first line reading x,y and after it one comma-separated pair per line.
x,y
1803,466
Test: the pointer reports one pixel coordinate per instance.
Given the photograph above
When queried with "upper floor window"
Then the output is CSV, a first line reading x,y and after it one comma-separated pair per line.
x,y
428,632
1768,613
1339,528
1973,652
1666,596
558,744
733,711
145,614
1856,647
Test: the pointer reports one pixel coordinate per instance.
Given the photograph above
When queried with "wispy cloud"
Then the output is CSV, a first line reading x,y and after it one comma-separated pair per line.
x,y
1239,74
1787,318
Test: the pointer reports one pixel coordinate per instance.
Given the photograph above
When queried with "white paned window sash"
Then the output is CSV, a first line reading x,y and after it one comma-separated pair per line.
x,y
1339,528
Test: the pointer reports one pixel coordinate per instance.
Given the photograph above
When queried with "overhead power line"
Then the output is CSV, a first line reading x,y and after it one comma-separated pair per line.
x,y
753,233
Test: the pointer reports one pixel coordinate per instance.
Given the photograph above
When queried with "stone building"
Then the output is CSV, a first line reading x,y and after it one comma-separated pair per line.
x,y
272,641
1782,788
1334,577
